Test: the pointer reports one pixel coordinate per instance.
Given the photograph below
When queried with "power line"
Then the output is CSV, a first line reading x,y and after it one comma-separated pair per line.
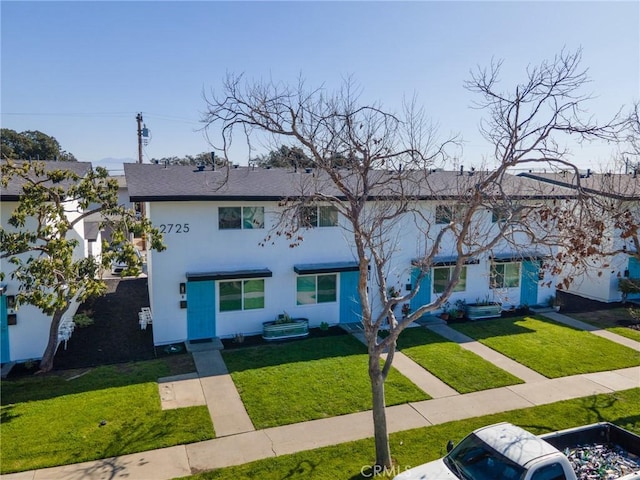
x,y
103,114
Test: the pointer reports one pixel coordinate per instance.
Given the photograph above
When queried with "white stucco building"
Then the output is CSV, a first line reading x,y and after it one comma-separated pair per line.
x,y
226,271
24,330
600,281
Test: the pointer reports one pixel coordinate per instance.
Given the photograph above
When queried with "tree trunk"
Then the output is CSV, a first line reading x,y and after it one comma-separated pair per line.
x,y
46,364
381,436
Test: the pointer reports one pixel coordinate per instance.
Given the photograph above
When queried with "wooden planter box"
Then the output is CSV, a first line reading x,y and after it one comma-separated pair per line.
x,y
477,312
297,327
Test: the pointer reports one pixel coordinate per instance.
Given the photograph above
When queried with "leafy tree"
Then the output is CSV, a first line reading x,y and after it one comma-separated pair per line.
x,y
284,157
203,158
390,157
40,239
31,145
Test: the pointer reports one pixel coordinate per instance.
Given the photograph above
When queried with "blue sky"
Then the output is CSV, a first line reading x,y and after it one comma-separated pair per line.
x,y
80,71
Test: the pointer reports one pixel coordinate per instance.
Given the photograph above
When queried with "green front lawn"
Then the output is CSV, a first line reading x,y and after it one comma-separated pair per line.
x,y
552,349
615,320
461,369
414,447
112,410
309,379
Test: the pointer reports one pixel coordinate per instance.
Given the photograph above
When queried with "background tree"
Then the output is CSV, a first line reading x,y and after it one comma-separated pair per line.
x,y
203,158
40,241
284,157
389,157
31,145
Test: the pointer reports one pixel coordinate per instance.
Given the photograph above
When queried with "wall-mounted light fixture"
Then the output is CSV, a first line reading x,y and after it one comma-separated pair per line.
x,y
11,301
183,288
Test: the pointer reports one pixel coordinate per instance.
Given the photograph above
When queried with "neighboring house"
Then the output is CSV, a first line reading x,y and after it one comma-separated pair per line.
x,y
225,271
24,331
600,281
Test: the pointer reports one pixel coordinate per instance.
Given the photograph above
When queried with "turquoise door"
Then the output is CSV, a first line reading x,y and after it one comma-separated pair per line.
x,y
350,308
529,283
423,297
201,310
4,331
634,272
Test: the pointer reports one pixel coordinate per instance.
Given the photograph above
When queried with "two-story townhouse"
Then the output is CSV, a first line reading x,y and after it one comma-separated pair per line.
x,y
24,331
227,269
616,192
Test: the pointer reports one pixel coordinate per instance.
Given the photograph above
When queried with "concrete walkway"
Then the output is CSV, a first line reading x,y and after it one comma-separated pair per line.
x,y
238,442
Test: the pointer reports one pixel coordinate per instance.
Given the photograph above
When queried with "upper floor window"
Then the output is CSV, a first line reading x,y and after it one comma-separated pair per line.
x,y
312,289
505,275
238,295
319,216
442,277
448,213
498,215
236,218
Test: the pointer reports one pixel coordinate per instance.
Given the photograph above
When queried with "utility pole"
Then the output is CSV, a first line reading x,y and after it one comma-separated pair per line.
x,y
142,209
139,120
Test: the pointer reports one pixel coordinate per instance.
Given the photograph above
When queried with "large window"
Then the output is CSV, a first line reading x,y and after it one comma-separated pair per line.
x,y
241,295
236,218
324,216
312,289
505,275
442,277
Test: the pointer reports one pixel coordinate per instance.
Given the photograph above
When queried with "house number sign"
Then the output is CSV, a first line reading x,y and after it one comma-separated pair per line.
x,y
173,228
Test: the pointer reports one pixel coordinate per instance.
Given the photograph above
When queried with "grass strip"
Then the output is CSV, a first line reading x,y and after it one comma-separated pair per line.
x,y
550,348
615,320
461,369
309,379
110,411
414,447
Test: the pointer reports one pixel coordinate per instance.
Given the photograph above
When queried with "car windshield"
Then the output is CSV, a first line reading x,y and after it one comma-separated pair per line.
x,y
472,459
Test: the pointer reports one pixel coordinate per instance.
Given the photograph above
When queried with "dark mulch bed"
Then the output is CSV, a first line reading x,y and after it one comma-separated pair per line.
x,y
115,336
573,303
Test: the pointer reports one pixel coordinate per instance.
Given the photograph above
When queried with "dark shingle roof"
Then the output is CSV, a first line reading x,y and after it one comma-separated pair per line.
x,y
14,188
615,185
156,183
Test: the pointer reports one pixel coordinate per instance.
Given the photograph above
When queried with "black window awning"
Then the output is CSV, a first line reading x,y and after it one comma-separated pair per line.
x,y
229,275
446,261
517,257
332,267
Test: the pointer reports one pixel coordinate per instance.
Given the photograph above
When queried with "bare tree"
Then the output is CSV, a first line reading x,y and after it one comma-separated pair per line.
x,y
388,179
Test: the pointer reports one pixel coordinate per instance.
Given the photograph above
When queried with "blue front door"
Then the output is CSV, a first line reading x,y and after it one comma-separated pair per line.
x,y
529,283
201,310
423,297
4,331
634,272
350,308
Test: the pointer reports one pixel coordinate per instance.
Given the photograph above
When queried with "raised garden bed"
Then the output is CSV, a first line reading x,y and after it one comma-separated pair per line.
x,y
478,312
292,328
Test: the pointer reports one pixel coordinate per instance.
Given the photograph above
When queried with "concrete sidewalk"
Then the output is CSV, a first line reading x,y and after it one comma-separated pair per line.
x,y
238,442
183,460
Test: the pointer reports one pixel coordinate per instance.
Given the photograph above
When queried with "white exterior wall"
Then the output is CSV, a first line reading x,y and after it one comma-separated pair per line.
x,y
205,248
600,281
28,338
